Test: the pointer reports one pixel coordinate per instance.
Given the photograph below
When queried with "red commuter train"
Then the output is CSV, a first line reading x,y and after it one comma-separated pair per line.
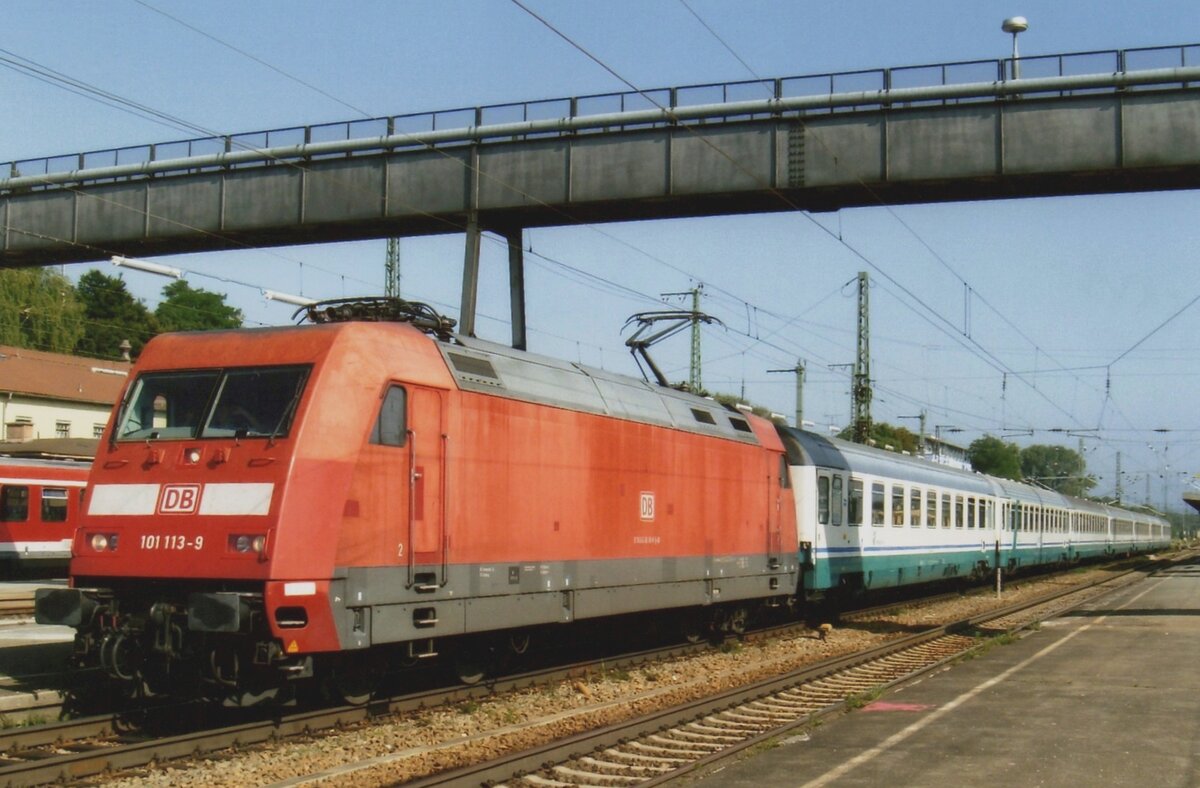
x,y
271,505
39,509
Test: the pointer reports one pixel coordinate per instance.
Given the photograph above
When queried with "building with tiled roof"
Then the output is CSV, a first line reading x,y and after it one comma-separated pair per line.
x,y
51,395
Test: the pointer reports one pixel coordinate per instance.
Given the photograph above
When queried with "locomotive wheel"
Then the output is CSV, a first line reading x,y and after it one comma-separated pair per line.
x,y
739,618
518,643
355,678
474,660
692,625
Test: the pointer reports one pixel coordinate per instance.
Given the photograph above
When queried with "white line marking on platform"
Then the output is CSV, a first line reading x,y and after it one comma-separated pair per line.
x,y
905,733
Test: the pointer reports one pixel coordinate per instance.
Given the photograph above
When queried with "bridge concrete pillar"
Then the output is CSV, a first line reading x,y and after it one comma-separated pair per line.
x,y
470,278
516,284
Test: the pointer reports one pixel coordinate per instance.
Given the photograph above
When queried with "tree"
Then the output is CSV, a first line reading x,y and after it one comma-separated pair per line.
x,y
185,308
993,456
39,310
1057,467
113,315
887,436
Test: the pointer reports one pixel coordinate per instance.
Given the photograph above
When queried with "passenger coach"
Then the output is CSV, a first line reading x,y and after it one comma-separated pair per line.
x,y
870,519
39,509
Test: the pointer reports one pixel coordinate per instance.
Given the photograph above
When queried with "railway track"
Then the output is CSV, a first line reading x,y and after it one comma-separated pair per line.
x,y
90,746
82,748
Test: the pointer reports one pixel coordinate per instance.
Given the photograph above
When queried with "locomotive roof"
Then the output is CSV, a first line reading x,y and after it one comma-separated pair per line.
x,y
503,371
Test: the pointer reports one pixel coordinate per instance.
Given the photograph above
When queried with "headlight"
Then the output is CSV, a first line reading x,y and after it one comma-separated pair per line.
x,y
247,543
103,542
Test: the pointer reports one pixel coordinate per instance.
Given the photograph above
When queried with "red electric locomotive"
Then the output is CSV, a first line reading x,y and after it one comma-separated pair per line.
x,y
271,504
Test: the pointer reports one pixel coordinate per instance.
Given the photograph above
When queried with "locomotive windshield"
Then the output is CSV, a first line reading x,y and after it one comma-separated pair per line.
x,y
243,402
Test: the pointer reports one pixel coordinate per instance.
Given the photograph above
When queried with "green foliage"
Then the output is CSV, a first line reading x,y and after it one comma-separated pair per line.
x,y
185,308
39,310
860,699
993,456
1057,467
730,401
113,315
887,436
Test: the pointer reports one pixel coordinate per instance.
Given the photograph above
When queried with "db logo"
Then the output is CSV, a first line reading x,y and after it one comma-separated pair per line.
x,y
179,499
647,506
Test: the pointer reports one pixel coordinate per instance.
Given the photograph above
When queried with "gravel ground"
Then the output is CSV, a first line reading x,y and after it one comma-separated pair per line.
x,y
437,739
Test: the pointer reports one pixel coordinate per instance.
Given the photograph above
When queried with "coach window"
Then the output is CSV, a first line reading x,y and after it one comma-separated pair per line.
x,y
897,505
391,428
877,501
958,512
855,515
930,507
946,510
823,500
914,507
971,513
54,505
836,500
14,504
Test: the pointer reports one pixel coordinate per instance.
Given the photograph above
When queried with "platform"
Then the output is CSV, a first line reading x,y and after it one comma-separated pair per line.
x,y
1107,695
32,657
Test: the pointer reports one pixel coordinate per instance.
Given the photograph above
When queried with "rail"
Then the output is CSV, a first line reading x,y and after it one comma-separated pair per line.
x,y
921,85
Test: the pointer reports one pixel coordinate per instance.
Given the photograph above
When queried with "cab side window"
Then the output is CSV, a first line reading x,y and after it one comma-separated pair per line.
x,y
391,428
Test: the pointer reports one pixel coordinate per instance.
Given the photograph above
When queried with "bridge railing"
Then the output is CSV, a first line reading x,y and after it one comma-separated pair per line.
x,y
937,75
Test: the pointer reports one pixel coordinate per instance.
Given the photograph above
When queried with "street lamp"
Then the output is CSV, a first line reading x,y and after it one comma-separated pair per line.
x,y
1015,25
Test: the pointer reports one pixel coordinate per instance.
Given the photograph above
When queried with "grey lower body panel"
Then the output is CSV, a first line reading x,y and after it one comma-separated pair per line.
x,y
466,599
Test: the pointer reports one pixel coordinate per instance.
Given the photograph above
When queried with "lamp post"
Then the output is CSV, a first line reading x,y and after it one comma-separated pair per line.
x,y
1015,25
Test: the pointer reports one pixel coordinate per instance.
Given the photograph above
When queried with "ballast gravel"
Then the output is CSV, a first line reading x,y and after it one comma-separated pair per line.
x,y
425,742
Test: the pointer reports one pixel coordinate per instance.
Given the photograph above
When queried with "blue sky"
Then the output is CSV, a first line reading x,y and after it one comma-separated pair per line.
x,y
1083,279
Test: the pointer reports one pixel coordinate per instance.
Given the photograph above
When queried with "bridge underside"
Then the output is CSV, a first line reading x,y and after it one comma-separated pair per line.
x,y
1025,147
